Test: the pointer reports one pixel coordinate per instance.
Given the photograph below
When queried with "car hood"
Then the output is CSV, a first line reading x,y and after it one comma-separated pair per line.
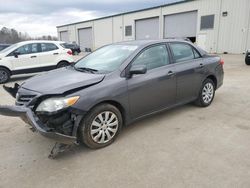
x,y
62,80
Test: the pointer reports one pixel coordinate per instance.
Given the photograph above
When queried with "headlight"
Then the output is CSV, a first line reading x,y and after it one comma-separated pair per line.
x,y
56,104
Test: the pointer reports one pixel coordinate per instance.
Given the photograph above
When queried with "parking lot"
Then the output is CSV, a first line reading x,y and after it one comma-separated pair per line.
x,y
183,147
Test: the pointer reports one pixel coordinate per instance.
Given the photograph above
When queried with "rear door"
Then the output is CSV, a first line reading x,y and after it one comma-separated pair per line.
x,y
189,70
28,57
156,89
49,54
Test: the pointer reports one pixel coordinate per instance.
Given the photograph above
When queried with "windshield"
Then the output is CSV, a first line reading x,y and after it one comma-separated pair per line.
x,y
106,59
13,46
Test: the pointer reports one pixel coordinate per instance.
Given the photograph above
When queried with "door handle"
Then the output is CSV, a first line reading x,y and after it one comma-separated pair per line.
x,y
170,73
55,53
201,65
33,56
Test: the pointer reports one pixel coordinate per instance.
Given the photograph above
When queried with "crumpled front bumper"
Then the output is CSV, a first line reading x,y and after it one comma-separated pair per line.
x,y
29,117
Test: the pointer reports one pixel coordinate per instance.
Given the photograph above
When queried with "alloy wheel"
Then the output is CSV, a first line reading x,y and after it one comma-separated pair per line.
x,y
104,127
208,93
3,76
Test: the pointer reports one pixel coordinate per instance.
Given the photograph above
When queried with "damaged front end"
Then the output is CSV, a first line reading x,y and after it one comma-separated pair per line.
x,y
60,126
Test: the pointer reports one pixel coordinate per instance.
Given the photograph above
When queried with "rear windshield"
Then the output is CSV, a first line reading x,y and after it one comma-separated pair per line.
x,y
65,45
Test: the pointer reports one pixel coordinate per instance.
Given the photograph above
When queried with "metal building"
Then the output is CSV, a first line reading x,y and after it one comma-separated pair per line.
x,y
218,26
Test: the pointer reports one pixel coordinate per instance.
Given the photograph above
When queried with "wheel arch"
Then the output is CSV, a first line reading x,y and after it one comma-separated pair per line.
x,y
213,78
118,105
6,69
62,61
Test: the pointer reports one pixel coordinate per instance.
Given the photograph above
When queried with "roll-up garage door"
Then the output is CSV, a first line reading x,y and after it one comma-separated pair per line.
x,y
181,25
64,36
85,38
147,29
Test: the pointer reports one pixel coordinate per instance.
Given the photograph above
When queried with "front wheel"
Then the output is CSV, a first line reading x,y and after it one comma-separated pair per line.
x,y
247,61
4,75
101,126
206,94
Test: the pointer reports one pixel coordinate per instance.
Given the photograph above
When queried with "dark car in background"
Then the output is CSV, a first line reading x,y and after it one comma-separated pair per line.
x,y
115,85
3,46
74,48
247,59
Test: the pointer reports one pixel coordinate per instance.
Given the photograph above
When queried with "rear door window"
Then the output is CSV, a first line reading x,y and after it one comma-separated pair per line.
x,y
46,47
182,52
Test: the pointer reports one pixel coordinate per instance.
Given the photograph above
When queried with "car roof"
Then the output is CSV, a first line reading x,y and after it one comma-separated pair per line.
x,y
39,41
144,43
149,42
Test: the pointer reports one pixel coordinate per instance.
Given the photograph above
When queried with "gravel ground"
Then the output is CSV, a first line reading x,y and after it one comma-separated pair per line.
x,y
183,147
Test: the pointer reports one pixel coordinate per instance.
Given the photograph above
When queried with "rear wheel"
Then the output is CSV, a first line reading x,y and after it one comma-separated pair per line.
x,y
101,126
247,60
4,75
206,94
62,64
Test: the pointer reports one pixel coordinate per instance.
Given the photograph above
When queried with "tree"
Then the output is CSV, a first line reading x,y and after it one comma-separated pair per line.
x,y
11,36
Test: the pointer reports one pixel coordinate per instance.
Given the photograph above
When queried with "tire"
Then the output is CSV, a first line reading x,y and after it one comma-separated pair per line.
x,y
206,94
93,133
62,64
247,61
4,75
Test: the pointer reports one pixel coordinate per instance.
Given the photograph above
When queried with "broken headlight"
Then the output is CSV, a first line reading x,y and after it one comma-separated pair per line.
x,y
56,104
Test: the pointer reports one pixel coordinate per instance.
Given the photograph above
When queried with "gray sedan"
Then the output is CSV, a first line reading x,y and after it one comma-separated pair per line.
x,y
117,84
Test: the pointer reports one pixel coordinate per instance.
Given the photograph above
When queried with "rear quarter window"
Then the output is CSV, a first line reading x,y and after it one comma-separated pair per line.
x,y
46,47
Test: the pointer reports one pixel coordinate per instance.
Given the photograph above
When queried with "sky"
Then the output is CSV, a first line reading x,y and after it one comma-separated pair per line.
x,y
40,17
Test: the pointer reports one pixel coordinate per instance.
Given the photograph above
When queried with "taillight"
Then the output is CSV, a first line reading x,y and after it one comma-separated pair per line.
x,y
69,52
222,62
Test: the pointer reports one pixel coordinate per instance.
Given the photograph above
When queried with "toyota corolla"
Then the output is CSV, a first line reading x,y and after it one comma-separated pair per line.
x,y
117,84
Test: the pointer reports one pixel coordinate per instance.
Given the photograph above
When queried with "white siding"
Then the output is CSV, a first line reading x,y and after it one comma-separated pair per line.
x,y
129,19
234,27
82,26
117,29
64,36
103,32
71,32
180,25
85,38
230,34
147,29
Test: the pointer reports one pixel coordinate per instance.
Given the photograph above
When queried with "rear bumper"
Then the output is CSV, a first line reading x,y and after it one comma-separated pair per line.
x,y
219,72
29,117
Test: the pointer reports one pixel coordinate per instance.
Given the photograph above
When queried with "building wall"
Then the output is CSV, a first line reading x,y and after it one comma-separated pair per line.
x,y
230,34
71,32
81,26
103,32
234,26
118,29
129,19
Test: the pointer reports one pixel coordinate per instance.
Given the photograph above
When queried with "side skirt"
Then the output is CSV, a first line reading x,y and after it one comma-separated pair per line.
x,y
33,70
161,110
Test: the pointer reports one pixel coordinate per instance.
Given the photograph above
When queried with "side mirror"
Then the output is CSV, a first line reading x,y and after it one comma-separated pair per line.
x,y
16,54
137,69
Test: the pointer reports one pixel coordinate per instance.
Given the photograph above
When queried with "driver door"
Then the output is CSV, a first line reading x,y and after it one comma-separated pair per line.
x,y
27,57
156,89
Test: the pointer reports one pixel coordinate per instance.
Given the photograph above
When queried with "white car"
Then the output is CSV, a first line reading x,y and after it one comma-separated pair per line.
x,y
33,56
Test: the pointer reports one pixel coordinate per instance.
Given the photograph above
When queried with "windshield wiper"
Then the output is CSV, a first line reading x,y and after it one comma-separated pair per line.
x,y
85,69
